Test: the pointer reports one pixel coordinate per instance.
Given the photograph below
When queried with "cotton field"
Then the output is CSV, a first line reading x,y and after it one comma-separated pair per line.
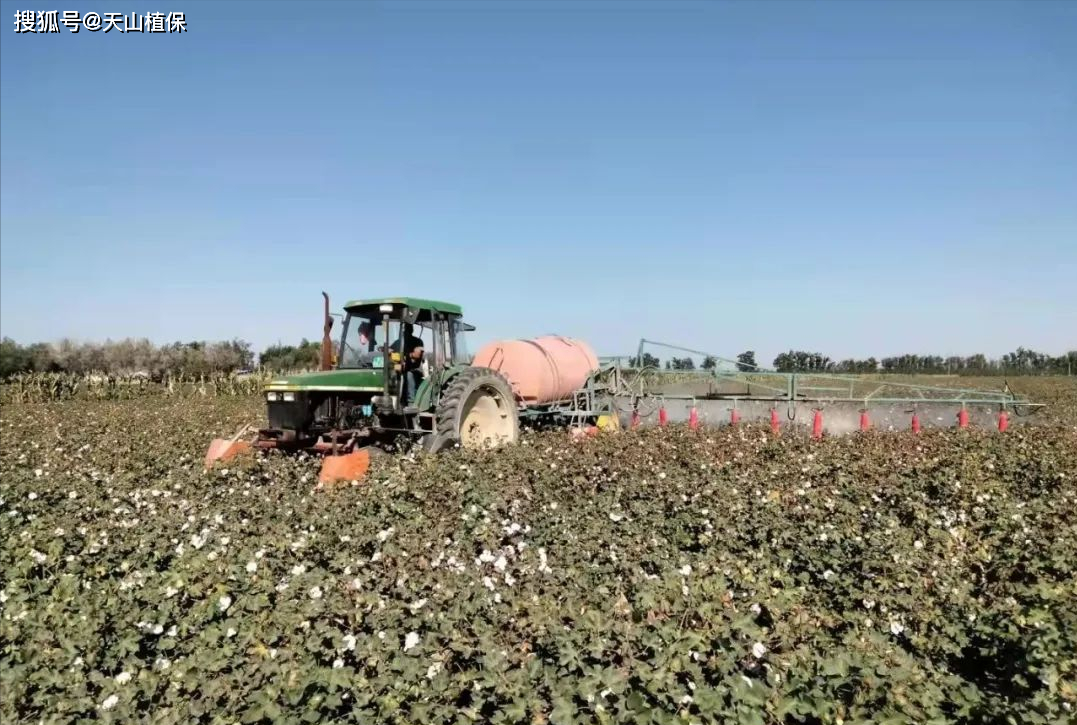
x,y
660,576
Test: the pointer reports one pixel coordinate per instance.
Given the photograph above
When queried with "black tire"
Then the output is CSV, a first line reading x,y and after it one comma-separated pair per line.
x,y
458,410
437,442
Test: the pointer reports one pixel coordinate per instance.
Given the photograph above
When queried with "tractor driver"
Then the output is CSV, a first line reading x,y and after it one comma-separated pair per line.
x,y
366,337
365,353
412,359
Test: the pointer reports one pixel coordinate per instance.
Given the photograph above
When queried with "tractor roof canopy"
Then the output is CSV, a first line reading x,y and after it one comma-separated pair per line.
x,y
424,308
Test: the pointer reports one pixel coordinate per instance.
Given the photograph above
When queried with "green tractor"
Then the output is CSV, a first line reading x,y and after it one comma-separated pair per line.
x,y
399,370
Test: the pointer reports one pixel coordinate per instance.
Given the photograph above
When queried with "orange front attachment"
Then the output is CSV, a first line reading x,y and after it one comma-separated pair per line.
x,y
225,449
349,467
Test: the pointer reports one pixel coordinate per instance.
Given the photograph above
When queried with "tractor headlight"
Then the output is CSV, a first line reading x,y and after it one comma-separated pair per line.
x,y
288,397
385,308
272,396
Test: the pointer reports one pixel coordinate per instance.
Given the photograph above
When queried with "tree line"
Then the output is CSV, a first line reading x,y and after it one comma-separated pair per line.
x,y
142,357
1022,361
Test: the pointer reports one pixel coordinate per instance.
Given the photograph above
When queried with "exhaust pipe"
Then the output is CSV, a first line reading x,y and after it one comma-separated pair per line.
x,y
327,340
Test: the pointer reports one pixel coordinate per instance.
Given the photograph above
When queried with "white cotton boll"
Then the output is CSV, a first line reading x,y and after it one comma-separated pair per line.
x,y
123,678
224,602
896,628
315,592
828,575
110,702
411,640
349,642
758,650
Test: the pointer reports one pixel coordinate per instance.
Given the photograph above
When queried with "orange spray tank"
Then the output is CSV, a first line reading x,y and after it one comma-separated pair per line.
x,y
542,369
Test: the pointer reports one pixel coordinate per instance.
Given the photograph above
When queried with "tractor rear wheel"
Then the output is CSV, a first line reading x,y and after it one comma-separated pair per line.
x,y
478,410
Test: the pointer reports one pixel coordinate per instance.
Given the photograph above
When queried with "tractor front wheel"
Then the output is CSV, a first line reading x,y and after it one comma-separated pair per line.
x,y
478,410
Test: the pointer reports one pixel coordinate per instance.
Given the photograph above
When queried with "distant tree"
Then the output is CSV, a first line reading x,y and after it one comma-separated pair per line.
x,y
13,358
746,361
648,361
796,361
1067,363
125,356
858,367
683,363
291,357
41,358
709,363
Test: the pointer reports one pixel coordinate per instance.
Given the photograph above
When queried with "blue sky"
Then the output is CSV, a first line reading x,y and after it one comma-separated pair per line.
x,y
854,178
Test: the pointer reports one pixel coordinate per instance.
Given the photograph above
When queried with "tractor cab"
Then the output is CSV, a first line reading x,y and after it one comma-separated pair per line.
x,y
372,325
407,341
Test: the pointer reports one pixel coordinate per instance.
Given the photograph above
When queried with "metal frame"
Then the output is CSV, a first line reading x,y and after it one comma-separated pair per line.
x,y
798,387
